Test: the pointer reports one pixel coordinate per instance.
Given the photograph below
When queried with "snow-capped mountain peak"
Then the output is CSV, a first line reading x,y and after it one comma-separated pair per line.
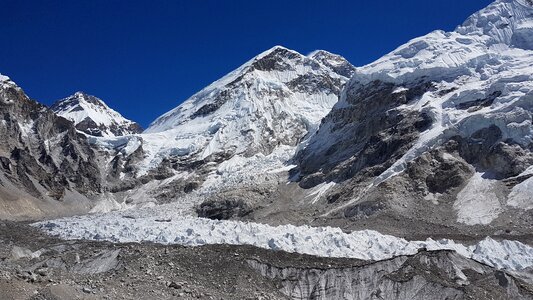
x,y
266,106
466,87
275,65
3,78
6,81
92,116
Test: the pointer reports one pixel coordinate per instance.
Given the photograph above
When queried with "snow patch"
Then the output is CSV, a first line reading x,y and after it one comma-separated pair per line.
x,y
521,195
478,202
319,191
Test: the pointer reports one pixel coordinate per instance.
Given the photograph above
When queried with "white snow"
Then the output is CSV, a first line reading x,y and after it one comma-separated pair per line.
x,y
521,195
26,128
247,171
497,23
478,202
6,82
165,225
318,191
125,145
107,204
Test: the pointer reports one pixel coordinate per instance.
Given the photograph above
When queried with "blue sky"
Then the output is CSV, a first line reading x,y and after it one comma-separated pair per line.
x,y
143,58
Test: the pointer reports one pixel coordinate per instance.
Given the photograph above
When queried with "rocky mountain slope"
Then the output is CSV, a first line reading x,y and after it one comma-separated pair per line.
x,y
92,116
437,131
47,168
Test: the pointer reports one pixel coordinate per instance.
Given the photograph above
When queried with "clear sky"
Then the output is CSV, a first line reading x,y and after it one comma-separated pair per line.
x,y
144,58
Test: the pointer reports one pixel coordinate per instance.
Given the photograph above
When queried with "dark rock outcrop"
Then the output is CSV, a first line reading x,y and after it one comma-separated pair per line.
x,y
42,154
364,136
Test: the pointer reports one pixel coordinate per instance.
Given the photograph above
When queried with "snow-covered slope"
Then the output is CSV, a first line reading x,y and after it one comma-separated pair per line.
x,y
480,61
274,99
256,115
436,111
92,116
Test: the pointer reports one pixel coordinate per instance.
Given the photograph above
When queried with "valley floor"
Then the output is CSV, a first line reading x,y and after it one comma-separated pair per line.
x,y
34,265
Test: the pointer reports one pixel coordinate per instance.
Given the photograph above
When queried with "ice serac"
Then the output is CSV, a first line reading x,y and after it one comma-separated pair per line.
x,y
93,117
46,167
439,114
248,122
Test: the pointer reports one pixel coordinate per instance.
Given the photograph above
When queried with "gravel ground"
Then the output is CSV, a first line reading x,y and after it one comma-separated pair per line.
x,y
36,266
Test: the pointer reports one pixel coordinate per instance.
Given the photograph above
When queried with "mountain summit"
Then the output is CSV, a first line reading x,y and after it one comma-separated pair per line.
x,y
271,101
92,116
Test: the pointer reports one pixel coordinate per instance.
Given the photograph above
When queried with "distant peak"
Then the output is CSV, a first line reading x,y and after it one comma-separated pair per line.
x,y
7,82
324,55
92,116
78,98
275,58
335,62
278,51
278,47
319,53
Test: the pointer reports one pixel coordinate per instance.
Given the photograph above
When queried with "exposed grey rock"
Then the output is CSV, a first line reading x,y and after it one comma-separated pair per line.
x,y
223,209
42,155
20,252
426,275
365,136
103,262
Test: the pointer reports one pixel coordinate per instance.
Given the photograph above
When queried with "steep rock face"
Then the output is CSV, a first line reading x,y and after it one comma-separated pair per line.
x,y
92,116
426,275
457,104
43,158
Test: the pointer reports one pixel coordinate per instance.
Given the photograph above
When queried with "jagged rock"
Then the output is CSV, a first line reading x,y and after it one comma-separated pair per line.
x,y
426,275
103,262
223,209
363,138
43,155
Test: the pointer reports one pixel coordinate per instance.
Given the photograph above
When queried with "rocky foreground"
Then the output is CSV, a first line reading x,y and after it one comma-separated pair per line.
x,y
36,266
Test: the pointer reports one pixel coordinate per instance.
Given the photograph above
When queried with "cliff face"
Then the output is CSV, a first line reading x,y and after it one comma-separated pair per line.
x,y
44,160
